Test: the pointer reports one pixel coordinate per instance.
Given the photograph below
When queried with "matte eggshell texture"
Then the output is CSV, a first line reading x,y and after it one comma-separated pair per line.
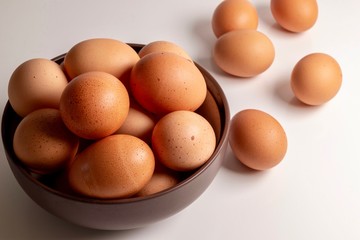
x,y
94,105
116,166
162,179
138,123
163,46
165,82
101,54
43,143
36,83
295,15
244,53
210,111
232,15
183,140
316,78
257,139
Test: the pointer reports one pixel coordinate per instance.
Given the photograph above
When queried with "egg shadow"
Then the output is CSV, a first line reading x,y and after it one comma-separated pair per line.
x,y
295,108
231,163
283,91
209,64
266,17
202,29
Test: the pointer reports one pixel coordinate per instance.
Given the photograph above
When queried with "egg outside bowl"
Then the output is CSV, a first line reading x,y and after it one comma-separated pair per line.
x,y
120,214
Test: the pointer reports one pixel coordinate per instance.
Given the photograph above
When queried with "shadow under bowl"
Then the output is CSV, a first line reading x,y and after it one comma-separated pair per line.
x,y
120,214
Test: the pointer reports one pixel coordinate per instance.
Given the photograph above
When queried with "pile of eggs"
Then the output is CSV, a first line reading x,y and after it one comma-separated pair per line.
x,y
256,138
122,123
118,123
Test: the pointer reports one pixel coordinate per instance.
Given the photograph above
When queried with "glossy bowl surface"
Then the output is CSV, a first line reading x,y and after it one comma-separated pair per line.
x,y
118,214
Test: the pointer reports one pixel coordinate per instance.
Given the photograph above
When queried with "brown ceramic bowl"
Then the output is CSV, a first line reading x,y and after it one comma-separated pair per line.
x,y
127,213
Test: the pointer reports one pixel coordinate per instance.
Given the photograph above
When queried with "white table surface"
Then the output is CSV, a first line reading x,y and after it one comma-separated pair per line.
x,y
313,194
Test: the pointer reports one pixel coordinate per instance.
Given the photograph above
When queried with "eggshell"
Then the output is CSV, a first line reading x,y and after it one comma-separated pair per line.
x,y
162,179
232,15
94,105
43,143
138,123
257,139
64,71
210,111
316,78
183,140
116,166
295,15
101,54
36,83
244,53
163,46
165,82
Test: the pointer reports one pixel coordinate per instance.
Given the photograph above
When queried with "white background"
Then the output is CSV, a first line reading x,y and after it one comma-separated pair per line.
x,y
313,194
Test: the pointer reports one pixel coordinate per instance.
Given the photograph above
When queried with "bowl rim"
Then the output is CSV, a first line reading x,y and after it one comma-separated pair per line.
x,y
225,125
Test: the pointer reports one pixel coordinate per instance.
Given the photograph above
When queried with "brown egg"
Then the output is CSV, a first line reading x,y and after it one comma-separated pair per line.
x,y
244,53
138,123
210,111
43,143
257,139
101,54
163,46
64,71
232,15
183,140
295,15
36,83
116,166
94,105
316,78
165,82
162,179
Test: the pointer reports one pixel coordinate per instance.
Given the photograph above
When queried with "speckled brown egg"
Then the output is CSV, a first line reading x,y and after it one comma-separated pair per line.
x,y
232,15
43,143
94,105
316,79
257,139
295,15
163,46
244,53
165,82
116,166
183,140
101,54
36,83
